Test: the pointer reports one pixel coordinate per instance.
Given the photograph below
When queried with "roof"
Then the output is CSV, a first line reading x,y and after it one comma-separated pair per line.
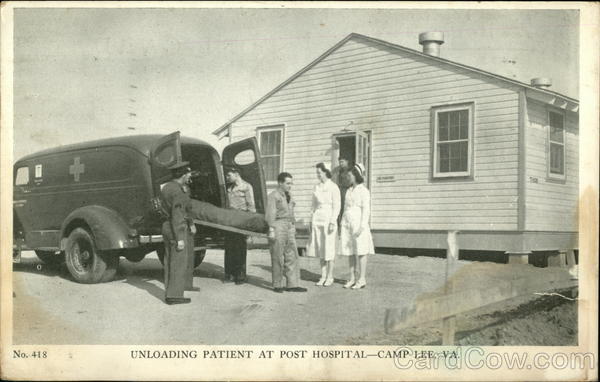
x,y
141,143
356,36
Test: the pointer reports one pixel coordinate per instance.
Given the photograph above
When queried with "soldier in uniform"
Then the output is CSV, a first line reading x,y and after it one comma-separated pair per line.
x,y
341,178
178,232
241,197
282,236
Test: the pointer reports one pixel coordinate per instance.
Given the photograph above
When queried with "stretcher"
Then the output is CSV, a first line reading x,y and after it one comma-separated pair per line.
x,y
230,229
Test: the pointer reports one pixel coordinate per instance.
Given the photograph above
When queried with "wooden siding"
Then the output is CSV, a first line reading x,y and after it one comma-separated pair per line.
x,y
551,205
391,94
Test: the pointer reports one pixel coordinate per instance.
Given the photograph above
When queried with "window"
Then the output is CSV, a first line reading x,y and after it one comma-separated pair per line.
x,y
453,126
166,155
271,143
556,144
244,158
38,171
22,176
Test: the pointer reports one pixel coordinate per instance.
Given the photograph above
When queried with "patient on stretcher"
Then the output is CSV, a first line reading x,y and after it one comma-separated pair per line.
x,y
248,221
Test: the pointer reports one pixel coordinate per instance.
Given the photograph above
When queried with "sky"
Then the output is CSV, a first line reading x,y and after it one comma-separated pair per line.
x,y
83,74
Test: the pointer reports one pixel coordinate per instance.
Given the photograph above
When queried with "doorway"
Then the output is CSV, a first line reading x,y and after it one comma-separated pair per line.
x,y
356,147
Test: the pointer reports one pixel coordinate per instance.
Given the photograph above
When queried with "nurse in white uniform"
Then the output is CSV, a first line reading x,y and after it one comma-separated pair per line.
x,y
325,211
356,241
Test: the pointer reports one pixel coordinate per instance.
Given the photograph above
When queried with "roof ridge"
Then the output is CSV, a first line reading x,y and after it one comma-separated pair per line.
x,y
394,46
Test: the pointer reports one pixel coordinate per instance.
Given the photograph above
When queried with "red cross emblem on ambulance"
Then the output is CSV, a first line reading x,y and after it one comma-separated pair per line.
x,y
76,169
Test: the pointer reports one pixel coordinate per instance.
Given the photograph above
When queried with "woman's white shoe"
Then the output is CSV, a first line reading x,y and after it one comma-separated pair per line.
x,y
360,285
349,284
320,282
328,282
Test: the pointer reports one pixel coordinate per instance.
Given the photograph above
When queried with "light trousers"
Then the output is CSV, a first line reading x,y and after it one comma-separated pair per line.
x,y
284,255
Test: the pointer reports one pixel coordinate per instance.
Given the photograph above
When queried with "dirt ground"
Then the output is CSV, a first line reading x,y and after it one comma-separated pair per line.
x,y
49,308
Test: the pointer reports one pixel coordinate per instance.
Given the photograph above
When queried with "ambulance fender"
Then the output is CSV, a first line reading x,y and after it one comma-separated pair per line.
x,y
107,227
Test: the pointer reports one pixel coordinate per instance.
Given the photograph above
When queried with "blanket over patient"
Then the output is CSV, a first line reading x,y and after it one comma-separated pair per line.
x,y
248,221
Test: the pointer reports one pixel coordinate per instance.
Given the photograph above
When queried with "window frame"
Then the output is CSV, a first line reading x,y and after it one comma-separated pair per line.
x,y
549,174
265,129
435,110
25,166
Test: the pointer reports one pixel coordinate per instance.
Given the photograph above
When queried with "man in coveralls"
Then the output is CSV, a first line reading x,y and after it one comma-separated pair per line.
x,y
178,233
282,236
241,197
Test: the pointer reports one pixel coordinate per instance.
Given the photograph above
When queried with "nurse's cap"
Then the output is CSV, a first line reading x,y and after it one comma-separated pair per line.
x,y
360,168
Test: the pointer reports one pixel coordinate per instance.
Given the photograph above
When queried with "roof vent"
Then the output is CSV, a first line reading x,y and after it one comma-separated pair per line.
x,y
541,82
431,42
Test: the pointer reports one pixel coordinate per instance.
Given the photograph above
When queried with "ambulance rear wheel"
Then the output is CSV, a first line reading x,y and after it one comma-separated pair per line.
x,y
198,256
85,263
50,258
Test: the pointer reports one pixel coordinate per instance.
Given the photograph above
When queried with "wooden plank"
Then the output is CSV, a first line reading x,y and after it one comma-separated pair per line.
x,y
408,94
394,117
230,229
378,105
522,187
387,89
450,211
456,221
381,108
449,323
376,74
475,195
547,202
571,258
437,308
351,77
558,259
361,66
448,330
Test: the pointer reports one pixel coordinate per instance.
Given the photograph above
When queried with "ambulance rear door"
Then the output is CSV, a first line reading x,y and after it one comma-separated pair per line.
x,y
245,156
165,153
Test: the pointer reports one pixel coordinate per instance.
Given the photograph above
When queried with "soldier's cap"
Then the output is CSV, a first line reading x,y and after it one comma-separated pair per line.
x,y
180,168
179,165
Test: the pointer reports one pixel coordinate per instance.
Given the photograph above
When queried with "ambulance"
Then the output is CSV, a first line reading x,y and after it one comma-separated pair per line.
x,y
89,204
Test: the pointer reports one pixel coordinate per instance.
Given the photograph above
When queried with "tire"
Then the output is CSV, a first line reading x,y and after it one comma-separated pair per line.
x,y
198,256
50,258
86,264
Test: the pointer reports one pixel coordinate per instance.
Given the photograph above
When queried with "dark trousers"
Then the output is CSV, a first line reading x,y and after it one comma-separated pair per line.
x,y
176,264
235,255
189,271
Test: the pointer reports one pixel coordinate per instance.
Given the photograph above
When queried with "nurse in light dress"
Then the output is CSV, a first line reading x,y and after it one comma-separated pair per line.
x,y
356,241
323,226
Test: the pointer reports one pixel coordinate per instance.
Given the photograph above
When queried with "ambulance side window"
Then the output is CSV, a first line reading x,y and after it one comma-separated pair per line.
x,y
246,157
166,155
22,176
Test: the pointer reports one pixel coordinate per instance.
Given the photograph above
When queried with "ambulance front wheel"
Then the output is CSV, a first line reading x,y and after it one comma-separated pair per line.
x,y
86,264
198,256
